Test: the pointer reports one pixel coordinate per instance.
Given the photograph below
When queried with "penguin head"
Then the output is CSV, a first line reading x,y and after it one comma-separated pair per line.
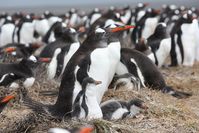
x,y
142,46
99,34
139,104
70,34
161,29
30,62
186,17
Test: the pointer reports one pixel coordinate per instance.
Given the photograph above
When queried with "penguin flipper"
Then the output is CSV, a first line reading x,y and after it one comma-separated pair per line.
x,y
177,94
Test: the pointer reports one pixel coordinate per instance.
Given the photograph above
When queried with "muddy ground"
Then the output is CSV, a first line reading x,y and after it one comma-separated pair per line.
x,y
165,113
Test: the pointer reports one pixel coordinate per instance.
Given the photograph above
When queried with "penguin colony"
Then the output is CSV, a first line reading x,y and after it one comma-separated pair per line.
x,y
87,53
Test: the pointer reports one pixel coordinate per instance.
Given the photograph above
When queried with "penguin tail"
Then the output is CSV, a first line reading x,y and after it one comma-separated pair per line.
x,y
32,104
175,93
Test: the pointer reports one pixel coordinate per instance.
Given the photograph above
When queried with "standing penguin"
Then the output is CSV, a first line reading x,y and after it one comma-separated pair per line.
x,y
176,40
52,67
98,65
65,54
95,40
160,44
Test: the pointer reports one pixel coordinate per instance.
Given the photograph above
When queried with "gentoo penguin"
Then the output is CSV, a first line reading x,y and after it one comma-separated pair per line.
x,y
134,62
93,59
53,33
142,46
150,15
4,101
116,109
82,105
64,56
52,67
68,37
95,40
74,130
160,44
176,40
190,41
25,31
22,70
128,80
6,33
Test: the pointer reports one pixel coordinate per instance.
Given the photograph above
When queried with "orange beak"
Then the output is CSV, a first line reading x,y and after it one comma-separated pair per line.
x,y
10,49
46,60
86,130
146,4
82,29
157,11
98,82
143,106
36,45
122,28
7,98
194,18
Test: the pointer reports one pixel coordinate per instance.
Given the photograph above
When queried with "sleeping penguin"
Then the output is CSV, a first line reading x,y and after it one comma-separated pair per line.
x,y
116,109
127,80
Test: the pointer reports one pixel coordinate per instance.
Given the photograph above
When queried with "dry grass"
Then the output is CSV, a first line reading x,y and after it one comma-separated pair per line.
x,y
165,113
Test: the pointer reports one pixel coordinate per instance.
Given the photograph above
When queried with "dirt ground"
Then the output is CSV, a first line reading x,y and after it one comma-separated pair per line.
x,y
165,113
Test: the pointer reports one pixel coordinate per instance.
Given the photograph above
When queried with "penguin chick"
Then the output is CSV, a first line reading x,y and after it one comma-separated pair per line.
x,y
126,80
116,109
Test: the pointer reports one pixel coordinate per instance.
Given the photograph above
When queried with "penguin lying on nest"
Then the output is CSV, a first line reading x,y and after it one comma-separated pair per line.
x,y
23,70
126,80
115,109
4,101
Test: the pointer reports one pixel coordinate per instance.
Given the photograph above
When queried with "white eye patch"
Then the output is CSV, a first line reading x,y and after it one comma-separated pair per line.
x,y
99,30
33,58
72,30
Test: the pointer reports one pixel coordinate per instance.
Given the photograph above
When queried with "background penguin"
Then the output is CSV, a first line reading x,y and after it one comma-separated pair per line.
x,y
176,42
53,33
190,41
4,101
22,70
68,37
64,56
115,109
140,25
52,67
160,44
6,33
135,63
